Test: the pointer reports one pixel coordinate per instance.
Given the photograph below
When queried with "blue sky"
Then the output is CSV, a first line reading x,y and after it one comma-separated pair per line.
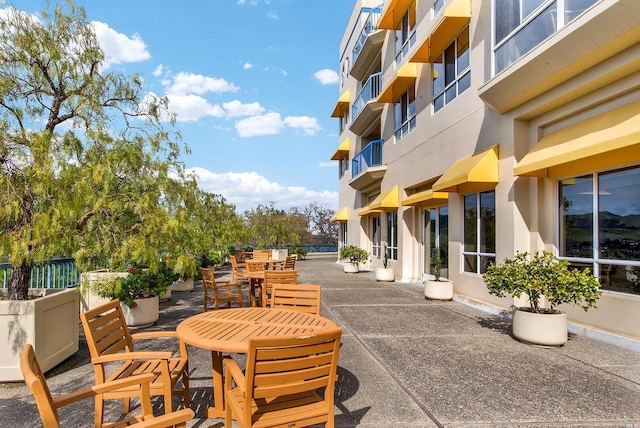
x,y
253,84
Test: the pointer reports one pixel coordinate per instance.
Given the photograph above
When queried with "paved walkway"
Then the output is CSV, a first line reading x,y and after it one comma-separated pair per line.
x,y
408,362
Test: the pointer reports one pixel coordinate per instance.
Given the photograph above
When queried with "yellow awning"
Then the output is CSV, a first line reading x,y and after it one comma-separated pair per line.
x,y
606,141
470,174
341,215
343,150
405,76
454,18
342,105
426,198
388,199
366,210
392,15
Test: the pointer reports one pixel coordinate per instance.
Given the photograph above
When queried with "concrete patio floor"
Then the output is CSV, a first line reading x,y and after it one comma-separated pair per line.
x,y
407,362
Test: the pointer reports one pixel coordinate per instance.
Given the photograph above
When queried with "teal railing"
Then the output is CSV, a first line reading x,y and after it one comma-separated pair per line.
x,y
55,273
371,155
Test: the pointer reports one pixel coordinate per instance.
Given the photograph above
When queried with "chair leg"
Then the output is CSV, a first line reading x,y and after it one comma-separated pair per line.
x,y
99,411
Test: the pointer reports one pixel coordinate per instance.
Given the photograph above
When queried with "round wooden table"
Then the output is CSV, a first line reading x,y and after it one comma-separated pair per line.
x,y
228,331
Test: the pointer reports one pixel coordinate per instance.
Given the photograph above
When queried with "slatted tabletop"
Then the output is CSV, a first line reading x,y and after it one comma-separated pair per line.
x,y
228,331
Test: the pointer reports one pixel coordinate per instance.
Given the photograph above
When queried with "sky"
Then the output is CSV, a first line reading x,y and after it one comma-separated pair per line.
x,y
252,82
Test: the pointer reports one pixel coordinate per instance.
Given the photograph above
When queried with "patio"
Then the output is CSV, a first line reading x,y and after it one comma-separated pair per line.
x,y
408,362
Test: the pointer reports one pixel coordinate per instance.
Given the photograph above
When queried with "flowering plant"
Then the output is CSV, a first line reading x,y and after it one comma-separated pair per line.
x,y
138,284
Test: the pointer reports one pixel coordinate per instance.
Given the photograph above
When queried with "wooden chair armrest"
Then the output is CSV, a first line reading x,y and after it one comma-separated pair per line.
x,y
154,334
233,372
101,388
151,355
178,418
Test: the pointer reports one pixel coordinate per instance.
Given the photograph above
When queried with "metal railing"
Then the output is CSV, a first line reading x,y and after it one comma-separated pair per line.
x,y
370,25
369,91
55,273
371,155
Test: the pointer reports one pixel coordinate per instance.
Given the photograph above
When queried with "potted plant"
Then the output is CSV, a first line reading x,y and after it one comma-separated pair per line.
x,y
438,288
385,273
184,268
541,278
353,256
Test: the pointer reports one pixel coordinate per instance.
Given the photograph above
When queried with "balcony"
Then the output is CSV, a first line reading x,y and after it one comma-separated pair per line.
x,y
366,166
368,47
365,109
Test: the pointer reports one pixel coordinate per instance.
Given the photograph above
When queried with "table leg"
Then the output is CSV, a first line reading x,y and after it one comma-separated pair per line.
x,y
217,410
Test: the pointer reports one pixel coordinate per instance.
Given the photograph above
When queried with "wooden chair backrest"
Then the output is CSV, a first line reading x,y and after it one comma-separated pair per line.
x,y
276,277
255,266
37,384
291,365
208,278
234,262
298,297
106,330
261,254
240,255
290,262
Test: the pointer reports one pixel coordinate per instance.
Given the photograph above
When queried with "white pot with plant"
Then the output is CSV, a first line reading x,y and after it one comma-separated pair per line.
x,y
385,273
542,278
352,256
438,288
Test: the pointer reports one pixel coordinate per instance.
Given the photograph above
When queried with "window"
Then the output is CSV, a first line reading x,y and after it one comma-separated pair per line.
x,y
343,233
479,249
436,235
451,71
375,236
598,226
392,234
406,33
437,5
344,120
405,113
520,25
343,166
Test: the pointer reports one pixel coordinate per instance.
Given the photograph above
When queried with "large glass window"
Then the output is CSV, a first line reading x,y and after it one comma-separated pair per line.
x,y
599,226
392,234
376,236
406,33
479,247
343,233
520,25
451,71
436,227
405,113
343,166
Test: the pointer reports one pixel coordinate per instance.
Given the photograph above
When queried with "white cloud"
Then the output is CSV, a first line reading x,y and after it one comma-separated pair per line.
x,y
158,71
308,125
265,124
117,47
189,83
273,15
236,109
326,76
330,164
191,108
247,66
248,189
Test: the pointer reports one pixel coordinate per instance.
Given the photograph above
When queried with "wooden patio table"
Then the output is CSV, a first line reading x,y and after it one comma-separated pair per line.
x,y
256,277
228,331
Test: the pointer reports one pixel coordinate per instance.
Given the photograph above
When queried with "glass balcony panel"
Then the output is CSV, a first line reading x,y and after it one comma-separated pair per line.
x,y
370,90
370,155
370,25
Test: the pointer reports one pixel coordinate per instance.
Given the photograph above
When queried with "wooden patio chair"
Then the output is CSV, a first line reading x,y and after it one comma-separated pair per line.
x,y
261,254
280,383
290,262
48,406
217,292
110,341
298,297
237,270
275,277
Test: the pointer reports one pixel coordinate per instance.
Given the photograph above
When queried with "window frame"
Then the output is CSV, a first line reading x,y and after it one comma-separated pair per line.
x,y
479,255
392,234
406,108
461,80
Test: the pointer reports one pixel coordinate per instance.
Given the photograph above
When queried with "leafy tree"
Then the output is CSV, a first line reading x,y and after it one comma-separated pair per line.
x,y
86,163
269,226
321,228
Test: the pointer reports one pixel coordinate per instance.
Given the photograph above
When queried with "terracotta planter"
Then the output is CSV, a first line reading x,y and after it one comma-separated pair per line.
x,y
385,274
349,267
438,290
546,329
49,323
145,313
183,285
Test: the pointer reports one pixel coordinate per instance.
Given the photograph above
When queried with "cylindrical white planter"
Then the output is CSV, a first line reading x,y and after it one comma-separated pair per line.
x,y
351,267
438,290
183,285
548,329
166,296
385,274
144,313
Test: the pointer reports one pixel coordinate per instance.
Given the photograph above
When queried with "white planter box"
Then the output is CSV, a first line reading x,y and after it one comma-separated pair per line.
x,y
280,254
540,329
438,290
351,267
385,274
183,285
145,313
90,281
49,323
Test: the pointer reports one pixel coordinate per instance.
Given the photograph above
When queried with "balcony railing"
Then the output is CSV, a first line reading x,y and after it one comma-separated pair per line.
x,y
55,273
369,91
370,156
370,25
403,50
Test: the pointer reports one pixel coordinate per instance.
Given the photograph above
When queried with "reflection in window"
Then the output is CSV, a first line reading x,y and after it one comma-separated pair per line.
x,y
375,236
603,232
392,234
479,249
438,226
406,33
405,113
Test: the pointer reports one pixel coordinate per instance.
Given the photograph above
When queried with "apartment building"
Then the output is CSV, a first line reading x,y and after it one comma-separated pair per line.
x,y
487,127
